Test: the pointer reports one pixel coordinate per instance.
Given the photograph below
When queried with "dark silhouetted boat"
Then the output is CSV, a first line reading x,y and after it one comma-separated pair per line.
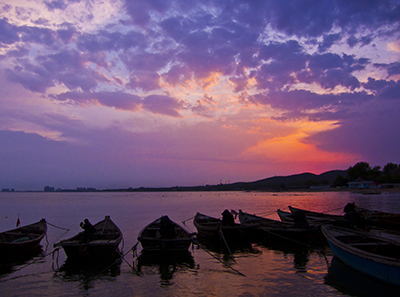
x,y
164,235
303,232
103,243
212,228
22,239
314,216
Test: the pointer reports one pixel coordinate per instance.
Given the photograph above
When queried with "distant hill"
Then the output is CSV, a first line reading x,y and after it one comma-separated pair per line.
x,y
298,181
291,182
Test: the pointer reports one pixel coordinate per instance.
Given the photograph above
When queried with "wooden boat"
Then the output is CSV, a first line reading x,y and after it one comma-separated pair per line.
x,y
286,216
103,243
372,255
370,217
210,227
164,235
318,216
22,239
380,219
282,230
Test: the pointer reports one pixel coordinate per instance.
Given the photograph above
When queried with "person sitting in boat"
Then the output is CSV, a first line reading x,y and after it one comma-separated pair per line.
x,y
352,216
300,219
89,230
167,229
227,218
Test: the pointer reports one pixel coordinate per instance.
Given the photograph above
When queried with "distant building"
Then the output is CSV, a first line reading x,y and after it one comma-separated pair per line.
x,y
363,184
5,190
48,189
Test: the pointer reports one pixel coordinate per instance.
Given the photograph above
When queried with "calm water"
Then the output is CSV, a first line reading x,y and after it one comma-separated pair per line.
x,y
265,270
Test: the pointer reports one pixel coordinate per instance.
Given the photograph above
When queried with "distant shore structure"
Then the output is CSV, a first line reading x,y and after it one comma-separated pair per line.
x,y
8,190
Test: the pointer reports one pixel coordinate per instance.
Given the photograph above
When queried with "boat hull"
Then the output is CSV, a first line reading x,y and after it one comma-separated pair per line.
x,y
91,250
212,228
165,245
269,229
103,243
164,235
382,268
380,271
22,239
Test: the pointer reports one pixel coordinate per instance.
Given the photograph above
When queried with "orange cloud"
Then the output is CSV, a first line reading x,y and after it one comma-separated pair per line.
x,y
296,156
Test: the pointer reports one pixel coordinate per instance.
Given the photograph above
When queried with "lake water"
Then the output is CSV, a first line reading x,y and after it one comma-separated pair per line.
x,y
258,270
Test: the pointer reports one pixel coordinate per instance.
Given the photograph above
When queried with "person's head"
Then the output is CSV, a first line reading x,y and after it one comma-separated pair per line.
x,y
226,212
86,221
349,207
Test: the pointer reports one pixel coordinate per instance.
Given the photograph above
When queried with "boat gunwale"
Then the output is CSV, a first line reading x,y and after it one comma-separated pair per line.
x,y
327,229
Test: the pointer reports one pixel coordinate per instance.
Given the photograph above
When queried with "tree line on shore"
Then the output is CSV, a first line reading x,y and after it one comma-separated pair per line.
x,y
389,174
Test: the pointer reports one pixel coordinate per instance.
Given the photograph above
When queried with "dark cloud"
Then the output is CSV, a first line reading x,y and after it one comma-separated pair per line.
x,y
32,78
329,40
164,105
299,103
59,4
365,135
146,81
392,68
8,33
65,67
157,104
384,89
119,100
111,41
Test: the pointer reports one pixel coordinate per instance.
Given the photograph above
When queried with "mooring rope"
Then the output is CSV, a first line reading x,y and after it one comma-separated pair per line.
x,y
184,222
56,226
133,249
227,246
226,264
30,263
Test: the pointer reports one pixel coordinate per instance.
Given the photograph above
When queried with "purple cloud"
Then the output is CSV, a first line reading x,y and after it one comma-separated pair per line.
x,y
157,104
118,100
67,67
163,105
8,32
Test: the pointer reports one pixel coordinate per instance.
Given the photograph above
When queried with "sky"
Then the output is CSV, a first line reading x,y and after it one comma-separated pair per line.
x,y
160,93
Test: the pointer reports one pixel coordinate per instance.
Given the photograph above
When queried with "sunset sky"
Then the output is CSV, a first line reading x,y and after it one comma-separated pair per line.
x,y
114,93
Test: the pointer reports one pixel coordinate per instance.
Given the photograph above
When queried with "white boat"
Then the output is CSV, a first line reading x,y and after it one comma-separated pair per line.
x,y
372,255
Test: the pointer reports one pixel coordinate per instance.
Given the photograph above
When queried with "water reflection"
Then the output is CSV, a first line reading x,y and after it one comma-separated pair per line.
x,y
351,282
165,264
301,254
221,247
86,272
8,264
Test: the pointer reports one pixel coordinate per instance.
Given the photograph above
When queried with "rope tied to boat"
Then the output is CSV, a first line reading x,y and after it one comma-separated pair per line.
x,y
30,263
226,264
134,250
56,226
184,222
227,246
